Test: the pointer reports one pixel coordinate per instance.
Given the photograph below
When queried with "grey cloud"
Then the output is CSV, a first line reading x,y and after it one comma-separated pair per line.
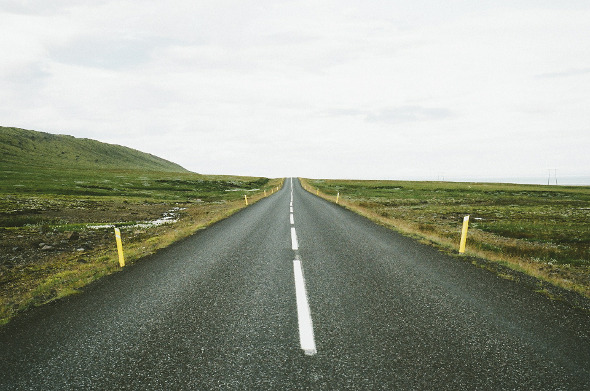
x,y
33,73
409,114
568,73
342,113
23,84
392,115
34,7
105,53
291,38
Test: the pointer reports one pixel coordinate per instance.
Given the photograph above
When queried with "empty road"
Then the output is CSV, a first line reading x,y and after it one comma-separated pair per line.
x,y
295,293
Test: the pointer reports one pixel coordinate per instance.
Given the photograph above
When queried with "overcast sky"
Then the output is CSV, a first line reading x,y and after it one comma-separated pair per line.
x,y
392,89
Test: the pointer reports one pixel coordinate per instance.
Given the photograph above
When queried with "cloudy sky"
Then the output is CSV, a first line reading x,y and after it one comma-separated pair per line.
x,y
392,89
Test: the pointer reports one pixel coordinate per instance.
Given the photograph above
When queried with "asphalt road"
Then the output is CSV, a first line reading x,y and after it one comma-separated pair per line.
x,y
370,310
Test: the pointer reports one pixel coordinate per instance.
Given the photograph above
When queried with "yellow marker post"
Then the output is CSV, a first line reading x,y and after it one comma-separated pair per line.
x,y
119,247
265,193
317,191
246,198
338,197
464,234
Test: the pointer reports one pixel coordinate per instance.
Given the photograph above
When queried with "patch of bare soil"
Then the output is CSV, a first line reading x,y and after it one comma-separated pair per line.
x,y
62,227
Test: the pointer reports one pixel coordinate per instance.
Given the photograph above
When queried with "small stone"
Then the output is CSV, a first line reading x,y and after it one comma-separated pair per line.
x,y
41,245
47,248
80,249
72,235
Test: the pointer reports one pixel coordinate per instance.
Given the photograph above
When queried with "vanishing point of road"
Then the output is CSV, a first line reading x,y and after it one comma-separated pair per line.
x,y
295,293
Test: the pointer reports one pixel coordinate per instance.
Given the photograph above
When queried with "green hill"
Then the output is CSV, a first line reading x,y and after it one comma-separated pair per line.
x,y
21,147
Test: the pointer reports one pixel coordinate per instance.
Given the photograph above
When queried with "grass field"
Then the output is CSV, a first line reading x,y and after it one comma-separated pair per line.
x,y
57,215
541,230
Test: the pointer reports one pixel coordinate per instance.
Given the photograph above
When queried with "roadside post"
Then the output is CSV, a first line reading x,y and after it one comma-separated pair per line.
x,y
119,247
338,197
246,198
464,234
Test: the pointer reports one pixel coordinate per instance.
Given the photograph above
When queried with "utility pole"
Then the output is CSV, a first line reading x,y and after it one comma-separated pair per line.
x,y
554,174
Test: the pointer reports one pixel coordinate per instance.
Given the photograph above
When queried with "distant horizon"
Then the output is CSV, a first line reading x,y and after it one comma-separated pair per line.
x,y
565,181
573,180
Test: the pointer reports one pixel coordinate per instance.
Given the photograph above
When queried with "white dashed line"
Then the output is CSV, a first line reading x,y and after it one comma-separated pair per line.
x,y
294,244
306,337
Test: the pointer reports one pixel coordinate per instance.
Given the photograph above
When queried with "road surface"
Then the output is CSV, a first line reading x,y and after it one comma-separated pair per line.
x,y
317,298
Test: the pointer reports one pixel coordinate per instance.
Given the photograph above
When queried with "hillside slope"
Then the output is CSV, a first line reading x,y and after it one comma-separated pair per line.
x,y
20,147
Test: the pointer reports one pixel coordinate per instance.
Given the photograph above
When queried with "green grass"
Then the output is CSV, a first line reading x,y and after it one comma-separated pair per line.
x,y
39,149
132,184
532,227
55,166
50,185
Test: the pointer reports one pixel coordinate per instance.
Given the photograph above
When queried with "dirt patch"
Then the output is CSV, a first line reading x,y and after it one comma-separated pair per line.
x,y
45,229
37,211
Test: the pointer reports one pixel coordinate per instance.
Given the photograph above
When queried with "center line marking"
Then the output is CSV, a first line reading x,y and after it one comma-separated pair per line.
x,y
306,337
294,244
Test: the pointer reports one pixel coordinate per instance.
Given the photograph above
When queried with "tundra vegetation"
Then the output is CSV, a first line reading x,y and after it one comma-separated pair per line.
x,y
62,196
543,231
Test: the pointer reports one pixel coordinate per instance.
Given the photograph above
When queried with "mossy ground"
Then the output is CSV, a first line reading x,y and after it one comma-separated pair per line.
x,y
543,231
